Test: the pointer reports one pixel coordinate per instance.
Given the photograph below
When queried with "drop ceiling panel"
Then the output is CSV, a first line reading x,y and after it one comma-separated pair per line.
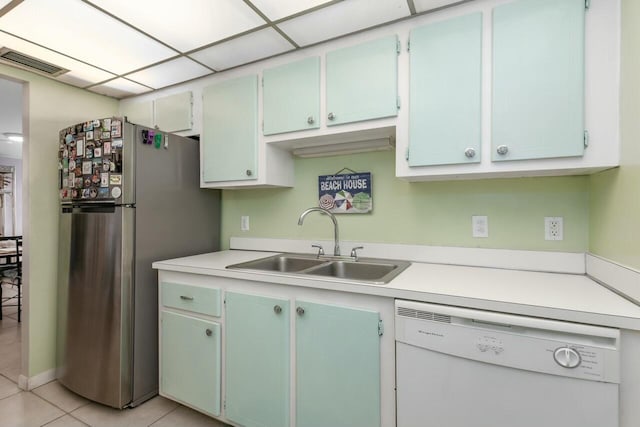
x,y
424,5
168,73
253,46
77,29
80,74
344,18
185,26
119,88
275,10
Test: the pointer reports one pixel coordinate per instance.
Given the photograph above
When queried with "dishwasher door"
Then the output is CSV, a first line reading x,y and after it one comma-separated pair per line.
x,y
468,368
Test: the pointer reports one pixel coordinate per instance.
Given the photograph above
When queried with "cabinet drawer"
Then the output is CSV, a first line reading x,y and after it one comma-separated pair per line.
x,y
192,298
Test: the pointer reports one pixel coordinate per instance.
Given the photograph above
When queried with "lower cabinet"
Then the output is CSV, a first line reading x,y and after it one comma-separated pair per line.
x,y
275,356
337,366
337,363
257,360
190,360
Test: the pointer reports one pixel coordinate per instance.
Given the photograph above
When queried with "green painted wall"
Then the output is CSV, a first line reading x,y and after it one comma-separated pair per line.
x,y
50,107
429,213
615,200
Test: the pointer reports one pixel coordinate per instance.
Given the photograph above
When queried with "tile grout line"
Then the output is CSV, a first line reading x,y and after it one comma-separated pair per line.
x,y
173,410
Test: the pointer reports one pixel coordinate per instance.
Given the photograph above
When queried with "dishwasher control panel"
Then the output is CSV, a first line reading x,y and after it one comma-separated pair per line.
x,y
540,345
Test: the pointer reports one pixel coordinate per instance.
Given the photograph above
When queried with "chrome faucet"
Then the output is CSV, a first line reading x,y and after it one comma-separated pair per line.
x,y
336,238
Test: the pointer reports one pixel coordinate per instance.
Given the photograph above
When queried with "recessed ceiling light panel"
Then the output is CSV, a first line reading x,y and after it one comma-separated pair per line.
x,y
185,26
344,18
81,31
119,88
279,9
168,73
253,46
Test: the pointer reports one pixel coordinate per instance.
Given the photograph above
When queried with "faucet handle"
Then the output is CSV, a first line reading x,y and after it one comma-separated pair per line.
x,y
320,250
354,253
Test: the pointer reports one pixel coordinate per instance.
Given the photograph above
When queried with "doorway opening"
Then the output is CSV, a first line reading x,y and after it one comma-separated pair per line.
x,y
11,214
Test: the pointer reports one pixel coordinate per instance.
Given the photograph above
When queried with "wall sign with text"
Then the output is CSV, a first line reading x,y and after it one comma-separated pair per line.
x,y
346,193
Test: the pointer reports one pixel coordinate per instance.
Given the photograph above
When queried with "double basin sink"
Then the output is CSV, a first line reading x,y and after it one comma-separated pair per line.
x,y
367,270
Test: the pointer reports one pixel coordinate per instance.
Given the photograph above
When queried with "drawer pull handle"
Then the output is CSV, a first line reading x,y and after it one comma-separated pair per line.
x,y
209,332
186,298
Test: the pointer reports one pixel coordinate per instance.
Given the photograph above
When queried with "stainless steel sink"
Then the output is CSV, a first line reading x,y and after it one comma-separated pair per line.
x,y
281,263
340,269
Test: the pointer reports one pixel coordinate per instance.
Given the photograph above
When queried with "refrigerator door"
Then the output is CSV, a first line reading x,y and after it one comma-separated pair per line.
x,y
98,349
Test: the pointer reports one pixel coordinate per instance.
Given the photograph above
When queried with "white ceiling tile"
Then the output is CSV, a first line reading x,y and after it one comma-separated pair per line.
x,y
275,10
120,88
343,18
81,31
424,5
168,73
80,74
185,26
241,50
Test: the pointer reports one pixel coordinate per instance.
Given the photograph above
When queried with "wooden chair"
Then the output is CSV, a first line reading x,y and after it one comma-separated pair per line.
x,y
11,274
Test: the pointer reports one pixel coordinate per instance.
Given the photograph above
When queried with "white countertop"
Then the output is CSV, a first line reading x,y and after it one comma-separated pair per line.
x,y
569,297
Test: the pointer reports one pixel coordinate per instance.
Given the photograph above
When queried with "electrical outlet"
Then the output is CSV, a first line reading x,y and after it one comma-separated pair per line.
x,y
480,226
244,223
553,228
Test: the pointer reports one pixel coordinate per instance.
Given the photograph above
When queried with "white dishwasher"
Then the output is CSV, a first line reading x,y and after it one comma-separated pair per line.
x,y
459,367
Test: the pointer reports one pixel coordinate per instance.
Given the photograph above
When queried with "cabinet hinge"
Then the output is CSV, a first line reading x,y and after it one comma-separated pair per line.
x,y
398,47
586,138
398,102
587,4
224,404
262,81
406,154
380,328
409,45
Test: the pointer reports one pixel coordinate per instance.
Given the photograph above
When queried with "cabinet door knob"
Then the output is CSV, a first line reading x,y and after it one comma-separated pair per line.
x,y
310,120
502,150
300,311
209,332
470,152
277,309
331,116
248,172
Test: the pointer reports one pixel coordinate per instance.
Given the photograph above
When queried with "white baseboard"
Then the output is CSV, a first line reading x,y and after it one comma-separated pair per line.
x,y
619,278
29,383
553,262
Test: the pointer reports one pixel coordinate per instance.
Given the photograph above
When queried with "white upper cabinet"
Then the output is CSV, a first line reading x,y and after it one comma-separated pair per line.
x,y
445,92
538,80
480,89
549,91
362,81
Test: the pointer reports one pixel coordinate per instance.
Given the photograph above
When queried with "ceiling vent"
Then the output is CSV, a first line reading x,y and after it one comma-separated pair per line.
x,y
26,62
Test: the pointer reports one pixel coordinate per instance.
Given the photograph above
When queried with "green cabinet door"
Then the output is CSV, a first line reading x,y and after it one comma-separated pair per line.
x,y
337,366
291,97
538,79
190,361
362,81
230,130
257,360
445,92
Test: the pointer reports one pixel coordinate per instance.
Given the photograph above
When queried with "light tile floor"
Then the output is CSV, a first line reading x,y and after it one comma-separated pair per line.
x,y
52,405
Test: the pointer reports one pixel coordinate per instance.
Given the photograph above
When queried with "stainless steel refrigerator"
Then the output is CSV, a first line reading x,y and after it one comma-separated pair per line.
x,y
130,196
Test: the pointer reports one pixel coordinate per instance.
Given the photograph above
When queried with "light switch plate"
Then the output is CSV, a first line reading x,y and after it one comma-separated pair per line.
x,y
244,223
480,226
